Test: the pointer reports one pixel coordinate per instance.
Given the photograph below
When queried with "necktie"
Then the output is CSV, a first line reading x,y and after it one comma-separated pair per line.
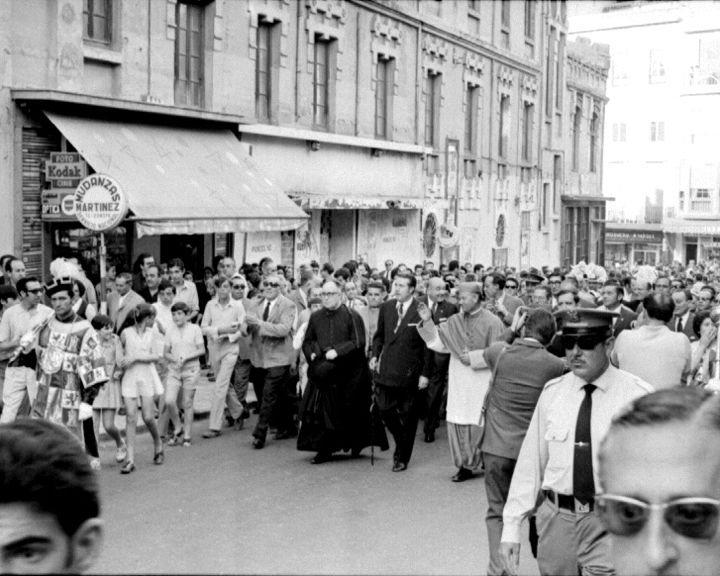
x,y
434,309
400,315
583,480
679,327
266,312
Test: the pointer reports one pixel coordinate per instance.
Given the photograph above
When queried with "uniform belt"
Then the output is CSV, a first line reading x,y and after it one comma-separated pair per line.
x,y
570,503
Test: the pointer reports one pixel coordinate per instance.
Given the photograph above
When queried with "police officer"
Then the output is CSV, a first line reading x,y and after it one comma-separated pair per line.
x,y
558,464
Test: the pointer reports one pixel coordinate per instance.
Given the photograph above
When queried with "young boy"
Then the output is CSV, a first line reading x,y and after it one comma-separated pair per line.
x,y
183,348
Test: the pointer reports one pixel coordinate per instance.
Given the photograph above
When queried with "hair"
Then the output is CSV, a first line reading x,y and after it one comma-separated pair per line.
x,y
545,288
180,307
101,321
618,289
375,284
154,266
4,258
23,282
125,276
7,292
412,281
351,266
165,284
571,279
306,275
9,262
540,325
497,279
80,287
219,280
139,261
333,281
686,291
698,320
556,273
140,313
44,466
343,273
659,306
453,265
176,262
263,260
573,291
710,289
327,267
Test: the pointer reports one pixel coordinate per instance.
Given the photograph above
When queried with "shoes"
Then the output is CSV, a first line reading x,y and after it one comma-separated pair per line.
x,y
239,423
175,439
245,414
399,467
128,467
286,434
321,457
121,453
95,464
211,434
258,443
462,475
187,442
159,458
230,420
430,437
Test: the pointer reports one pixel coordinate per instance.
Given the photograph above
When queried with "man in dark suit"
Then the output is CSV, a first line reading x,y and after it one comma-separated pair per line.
x,y
682,320
436,363
612,295
399,356
520,373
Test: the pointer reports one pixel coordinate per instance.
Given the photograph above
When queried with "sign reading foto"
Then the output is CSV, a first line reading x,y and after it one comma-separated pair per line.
x,y
100,202
65,169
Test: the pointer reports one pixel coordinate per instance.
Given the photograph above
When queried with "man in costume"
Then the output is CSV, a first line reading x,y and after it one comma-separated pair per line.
x,y
335,411
71,366
465,336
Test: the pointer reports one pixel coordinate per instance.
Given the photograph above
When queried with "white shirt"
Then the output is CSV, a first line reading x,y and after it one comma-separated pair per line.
x,y
546,456
405,306
685,319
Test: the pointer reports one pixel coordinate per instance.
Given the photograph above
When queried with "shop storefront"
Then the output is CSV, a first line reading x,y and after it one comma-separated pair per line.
x,y
190,189
634,243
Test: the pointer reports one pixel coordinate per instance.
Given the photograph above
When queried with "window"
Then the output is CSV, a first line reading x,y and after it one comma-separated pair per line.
x,y
527,135
619,132
432,6
471,119
383,97
263,66
474,17
657,131
321,83
549,70
530,20
188,54
432,108
504,131
657,66
577,119
594,141
96,20
558,76
620,69
546,205
505,21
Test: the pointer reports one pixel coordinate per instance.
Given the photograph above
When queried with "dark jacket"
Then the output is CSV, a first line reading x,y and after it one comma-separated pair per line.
x,y
437,363
401,352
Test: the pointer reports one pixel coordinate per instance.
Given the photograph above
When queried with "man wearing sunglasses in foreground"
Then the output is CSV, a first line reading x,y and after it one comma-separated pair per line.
x,y
660,474
557,466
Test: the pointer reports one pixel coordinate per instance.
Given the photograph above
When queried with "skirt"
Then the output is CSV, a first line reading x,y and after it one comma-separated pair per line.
x,y
109,397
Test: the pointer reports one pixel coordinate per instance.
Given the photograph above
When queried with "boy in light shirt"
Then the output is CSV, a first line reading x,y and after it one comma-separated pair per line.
x,y
163,306
183,347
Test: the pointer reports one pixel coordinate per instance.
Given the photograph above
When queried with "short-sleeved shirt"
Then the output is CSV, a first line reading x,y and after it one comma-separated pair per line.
x,y
184,342
17,321
188,293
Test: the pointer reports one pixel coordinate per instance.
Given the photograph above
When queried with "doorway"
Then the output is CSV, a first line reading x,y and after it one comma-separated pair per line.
x,y
190,248
690,253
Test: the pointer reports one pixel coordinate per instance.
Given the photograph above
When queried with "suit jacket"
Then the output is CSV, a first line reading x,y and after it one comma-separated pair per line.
x,y
687,328
364,313
401,352
118,313
297,299
511,303
627,317
436,363
271,341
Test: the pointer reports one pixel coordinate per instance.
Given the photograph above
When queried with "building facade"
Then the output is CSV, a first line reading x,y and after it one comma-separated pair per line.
x,y
412,130
662,126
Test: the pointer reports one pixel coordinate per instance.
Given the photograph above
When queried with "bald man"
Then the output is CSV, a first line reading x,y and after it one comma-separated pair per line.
x,y
436,363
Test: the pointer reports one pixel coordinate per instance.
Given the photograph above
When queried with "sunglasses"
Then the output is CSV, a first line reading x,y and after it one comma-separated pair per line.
x,y
695,518
584,342
272,285
239,286
511,286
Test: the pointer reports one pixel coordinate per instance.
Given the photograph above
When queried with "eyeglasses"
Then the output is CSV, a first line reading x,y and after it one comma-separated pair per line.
x,y
703,299
328,294
584,341
239,286
511,286
272,285
695,518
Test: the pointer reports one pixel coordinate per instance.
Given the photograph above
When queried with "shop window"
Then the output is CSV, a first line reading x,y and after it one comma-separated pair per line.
x,y
384,87
657,66
472,95
97,21
321,83
432,108
188,54
504,131
527,135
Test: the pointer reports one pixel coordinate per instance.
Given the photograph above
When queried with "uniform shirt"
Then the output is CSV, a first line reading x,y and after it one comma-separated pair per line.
x,y
17,321
218,316
188,293
546,456
185,341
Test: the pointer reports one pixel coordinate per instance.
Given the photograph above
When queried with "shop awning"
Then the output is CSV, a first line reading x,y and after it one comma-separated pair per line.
x,y
323,202
692,227
182,180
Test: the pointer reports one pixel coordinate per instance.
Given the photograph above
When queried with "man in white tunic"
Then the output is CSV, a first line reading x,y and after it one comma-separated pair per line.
x,y
465,336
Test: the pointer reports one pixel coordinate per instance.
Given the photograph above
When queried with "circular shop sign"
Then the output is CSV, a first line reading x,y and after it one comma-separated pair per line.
x,y
100,202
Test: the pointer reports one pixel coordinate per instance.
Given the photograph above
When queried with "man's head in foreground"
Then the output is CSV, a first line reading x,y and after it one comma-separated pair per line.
x,y
49,501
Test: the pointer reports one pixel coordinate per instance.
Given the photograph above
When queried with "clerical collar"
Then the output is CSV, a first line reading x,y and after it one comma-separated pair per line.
x,y
474,312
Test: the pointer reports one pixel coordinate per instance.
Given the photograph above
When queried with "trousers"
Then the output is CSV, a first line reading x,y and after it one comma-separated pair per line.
x,y
498,474
435,391
399,408
18,381
223,367
277,400
241,379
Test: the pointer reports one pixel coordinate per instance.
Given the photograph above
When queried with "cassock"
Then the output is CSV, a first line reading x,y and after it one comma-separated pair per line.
x,y
467,385
71,368
335,410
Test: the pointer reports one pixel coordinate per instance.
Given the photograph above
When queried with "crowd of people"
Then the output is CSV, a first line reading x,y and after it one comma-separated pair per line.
x,y
542,376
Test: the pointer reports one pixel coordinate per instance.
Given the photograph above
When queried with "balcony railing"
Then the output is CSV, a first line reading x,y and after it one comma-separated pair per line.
x,y
701,206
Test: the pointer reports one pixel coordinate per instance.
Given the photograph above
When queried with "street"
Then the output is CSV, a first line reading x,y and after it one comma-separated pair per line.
x,y
222,507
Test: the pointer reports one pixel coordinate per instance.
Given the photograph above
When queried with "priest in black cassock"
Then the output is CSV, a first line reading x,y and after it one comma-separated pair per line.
x,y
335,410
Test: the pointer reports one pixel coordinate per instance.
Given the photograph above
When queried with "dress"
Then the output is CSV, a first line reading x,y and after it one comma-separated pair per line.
x,y
109,397
140,379
335,411
70,369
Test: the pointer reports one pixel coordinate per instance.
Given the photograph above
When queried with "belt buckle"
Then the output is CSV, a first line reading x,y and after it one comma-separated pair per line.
x,y
581,508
